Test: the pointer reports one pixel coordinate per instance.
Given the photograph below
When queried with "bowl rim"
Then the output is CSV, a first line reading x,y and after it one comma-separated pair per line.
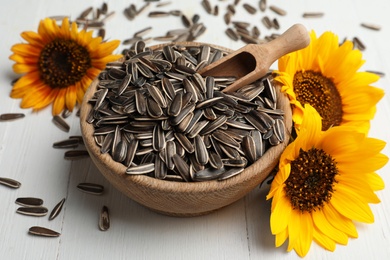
x,y
261,170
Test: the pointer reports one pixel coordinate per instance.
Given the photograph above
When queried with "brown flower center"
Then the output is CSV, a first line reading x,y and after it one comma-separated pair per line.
x,y
63,63
311,180
321,93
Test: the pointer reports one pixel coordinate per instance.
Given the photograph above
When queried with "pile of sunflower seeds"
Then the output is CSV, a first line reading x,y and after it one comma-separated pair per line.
x,y
155,114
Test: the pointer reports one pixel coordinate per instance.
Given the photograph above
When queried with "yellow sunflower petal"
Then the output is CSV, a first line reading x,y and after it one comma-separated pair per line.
x,y
24,49
357,185
70,97
375,182
323,225
281,237
301,235
280,214
350,206
340,222
279,179
59,102
24,68
323,240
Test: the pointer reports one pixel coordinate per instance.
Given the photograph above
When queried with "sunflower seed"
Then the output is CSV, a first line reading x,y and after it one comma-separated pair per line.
x,y
67,143
143,32
176,105
249,147
213,125
157,95
267,22
36,211
182,167
11,116
358,44
57,209
158,138
61,123
104,219
263,5
163,4
91,188
275,23
277,10
207,6
201,153
76,154
132,148
29,201
154,110
140,169
158,14
120,151
208,174
313,15
42,231
185,142
224,138
230,173
249,8
215,160
371,26
379,73
160,168
236,162
10,183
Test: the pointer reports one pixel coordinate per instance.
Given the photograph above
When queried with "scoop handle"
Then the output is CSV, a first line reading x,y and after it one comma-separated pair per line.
x,y
293,39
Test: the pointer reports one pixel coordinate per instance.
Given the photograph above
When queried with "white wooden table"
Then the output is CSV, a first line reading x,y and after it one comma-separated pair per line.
x,y
239,231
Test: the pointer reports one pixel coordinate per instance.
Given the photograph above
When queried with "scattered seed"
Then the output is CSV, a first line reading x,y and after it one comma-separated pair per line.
x,y
91,188
371,26
249,8
104,219
37,211
313,15
57,209
262,5
10,183
61,123
11,116
76,154
379,73
358,44
29,201
42,231
277,10
67,143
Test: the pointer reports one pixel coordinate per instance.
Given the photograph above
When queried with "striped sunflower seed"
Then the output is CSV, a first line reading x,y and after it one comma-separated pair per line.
x,y
104,219
91,188
10,183
36,211
57,209
29,201
42,231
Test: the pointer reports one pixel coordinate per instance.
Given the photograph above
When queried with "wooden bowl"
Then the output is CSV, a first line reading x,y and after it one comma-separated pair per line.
x,y
182,199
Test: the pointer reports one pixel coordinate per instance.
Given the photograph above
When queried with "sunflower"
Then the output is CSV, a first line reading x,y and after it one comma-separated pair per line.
x,y
59,63
325,181
325,75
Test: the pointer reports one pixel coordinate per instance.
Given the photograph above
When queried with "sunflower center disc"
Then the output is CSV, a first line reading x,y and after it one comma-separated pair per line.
x,y
311,180
321,93
63,63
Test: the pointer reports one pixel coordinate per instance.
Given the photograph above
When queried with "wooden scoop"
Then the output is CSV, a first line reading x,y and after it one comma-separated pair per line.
x,y
252,61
